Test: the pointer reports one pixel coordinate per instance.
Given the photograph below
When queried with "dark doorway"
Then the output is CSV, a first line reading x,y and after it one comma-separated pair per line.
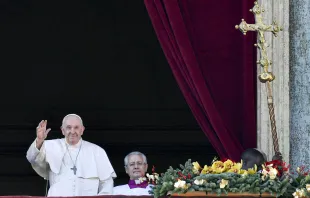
x,y
101,60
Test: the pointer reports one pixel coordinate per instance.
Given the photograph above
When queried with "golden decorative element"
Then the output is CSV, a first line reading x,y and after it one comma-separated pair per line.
x,y
266,76
261,28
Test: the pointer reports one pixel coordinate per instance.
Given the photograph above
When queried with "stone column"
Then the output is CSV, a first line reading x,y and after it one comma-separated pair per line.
x,y
278,52
300,82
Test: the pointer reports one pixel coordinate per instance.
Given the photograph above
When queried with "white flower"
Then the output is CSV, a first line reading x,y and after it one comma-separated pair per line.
x,y
180,184
273,173
199,182
223,183
299,193
308,187
140,180
151,177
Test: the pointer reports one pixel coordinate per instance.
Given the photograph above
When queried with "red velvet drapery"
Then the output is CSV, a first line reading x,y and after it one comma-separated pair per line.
x,y
214,65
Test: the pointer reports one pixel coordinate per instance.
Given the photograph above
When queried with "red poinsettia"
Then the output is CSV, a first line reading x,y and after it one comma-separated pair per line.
x,y
279,165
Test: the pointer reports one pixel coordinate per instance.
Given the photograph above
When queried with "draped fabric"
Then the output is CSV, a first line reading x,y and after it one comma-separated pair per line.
x,y
214,66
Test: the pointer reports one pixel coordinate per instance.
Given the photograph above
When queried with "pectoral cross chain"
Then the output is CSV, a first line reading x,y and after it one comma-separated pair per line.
x,y
74,163
74,169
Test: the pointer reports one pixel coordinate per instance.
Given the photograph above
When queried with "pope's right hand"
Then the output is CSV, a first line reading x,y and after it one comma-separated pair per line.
x,y
42,132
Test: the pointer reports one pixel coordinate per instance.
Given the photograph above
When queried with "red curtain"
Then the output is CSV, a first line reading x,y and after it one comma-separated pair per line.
x,y
214,66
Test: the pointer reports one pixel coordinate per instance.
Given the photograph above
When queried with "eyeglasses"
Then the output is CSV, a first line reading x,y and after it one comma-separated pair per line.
x,y
132,164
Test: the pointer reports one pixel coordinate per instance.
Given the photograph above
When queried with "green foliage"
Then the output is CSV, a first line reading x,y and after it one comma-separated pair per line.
x,y
166,181
227,182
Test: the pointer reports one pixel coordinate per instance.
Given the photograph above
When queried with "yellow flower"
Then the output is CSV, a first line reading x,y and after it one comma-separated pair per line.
x,y
206,169
308,187
180,184
218,167
238,165
228,164
223,183
218,164
252,171
243,172
218,170
196,167
236,168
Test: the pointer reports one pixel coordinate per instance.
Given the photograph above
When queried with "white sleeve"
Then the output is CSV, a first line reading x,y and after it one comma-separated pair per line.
x,y
37,159
106,187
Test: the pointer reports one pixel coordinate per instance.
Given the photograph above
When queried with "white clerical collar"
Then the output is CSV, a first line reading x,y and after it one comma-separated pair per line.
x,y
74,146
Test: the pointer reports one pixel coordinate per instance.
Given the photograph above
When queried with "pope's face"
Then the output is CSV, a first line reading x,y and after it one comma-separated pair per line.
x,y
72,129
136,167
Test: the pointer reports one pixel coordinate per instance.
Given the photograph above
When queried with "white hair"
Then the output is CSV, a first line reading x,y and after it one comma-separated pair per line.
x,y
71,115
134,153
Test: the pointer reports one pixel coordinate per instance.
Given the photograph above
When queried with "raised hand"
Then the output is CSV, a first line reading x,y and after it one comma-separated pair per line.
x,y
41,133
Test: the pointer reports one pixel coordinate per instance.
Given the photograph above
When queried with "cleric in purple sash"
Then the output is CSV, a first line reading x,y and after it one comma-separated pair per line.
x,y
136,167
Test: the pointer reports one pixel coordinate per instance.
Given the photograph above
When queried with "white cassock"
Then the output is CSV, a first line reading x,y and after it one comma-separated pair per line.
x,y
126,190
55,160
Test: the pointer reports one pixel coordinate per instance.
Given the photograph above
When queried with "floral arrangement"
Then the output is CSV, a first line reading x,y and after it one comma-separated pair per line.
x,y
301,183
223,177
152,178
